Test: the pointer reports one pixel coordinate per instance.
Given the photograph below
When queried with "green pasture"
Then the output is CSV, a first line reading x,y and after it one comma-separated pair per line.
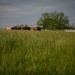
x,y
37,52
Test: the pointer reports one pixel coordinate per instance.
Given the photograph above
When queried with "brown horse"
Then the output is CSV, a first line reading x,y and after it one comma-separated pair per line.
x,y
16,28
26,28
33,28
38,28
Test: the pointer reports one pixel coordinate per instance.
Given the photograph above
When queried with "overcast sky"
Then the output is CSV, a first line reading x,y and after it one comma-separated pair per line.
x,y
14,12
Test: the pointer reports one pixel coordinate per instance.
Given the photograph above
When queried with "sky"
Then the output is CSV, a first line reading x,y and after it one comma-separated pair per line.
x,y
16,12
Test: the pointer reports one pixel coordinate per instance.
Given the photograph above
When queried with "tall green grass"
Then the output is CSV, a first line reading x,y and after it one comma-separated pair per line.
x,y
37,52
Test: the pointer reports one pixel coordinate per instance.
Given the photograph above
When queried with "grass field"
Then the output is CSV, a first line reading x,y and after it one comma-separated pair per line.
x,y
37,52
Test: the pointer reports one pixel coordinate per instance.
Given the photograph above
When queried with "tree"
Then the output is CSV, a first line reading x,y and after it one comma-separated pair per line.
x,y
53,20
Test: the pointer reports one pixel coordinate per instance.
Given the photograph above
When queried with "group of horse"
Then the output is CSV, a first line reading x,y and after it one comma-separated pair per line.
x,y
24,28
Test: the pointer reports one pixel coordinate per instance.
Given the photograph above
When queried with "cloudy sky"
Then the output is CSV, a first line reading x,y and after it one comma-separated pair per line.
x,y
13,12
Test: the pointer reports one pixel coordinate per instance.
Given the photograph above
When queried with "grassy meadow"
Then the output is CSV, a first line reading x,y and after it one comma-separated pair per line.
x,y
37,52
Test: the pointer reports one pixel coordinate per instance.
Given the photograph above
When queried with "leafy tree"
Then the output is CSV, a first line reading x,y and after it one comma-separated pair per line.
x,y
53,20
